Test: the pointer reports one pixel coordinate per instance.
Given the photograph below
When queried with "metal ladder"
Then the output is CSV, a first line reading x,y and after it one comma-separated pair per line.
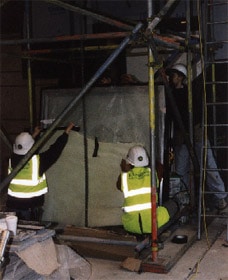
x,y
215,121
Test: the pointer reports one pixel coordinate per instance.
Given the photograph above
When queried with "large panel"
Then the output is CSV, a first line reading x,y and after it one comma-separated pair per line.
x,y
117,117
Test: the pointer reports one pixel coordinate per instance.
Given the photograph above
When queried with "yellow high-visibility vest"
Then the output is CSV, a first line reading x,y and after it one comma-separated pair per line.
x,y
136,188
27,183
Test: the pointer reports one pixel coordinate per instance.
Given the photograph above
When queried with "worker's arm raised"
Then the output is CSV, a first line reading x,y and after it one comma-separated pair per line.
x,y
69,127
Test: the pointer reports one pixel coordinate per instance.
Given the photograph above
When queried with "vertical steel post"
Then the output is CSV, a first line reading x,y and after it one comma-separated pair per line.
x,y
152,143
190,106
29,70
84,114
70,106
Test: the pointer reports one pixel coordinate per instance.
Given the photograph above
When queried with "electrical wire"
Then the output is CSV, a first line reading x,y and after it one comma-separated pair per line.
x,y
205,113
204,137
205,122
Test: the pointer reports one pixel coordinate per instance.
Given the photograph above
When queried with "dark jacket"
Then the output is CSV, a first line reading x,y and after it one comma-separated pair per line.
x,y
180,96
47,159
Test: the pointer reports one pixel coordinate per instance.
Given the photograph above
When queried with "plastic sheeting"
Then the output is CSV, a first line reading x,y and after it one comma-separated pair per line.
x,y
72,266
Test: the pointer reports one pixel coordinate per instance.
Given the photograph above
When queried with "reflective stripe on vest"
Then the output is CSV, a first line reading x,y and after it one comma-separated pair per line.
x,y
128,193
137,207
35,180
134,193
27,195
34,185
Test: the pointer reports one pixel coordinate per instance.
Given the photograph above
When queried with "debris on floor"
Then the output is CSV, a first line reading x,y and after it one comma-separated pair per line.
x,y
32,254
132,264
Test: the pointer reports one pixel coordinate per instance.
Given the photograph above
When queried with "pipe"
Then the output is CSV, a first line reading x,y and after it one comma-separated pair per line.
x,y
149,30
190,110
57,51
70,107
96,240
29,69
5,139
160,15
78,37
84,114
75,37
152,148
98,47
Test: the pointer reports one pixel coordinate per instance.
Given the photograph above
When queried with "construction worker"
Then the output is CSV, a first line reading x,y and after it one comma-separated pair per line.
x,y
177,77
27,189
135,183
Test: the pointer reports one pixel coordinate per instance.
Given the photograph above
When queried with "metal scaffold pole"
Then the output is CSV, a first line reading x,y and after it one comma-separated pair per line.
x,y
152,24
190,104
152,143
29,69
70,106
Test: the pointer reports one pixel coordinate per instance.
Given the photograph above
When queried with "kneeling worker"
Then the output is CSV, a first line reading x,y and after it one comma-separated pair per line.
x,y
135,183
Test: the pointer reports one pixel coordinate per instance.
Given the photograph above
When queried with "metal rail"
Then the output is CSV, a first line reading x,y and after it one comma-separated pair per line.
x,y
70,106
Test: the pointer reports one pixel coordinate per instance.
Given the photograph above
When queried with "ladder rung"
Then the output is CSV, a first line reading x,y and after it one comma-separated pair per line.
x,y
217,125
214,215
217,3
215,147
209,192
216,62
217,82
217,103
217,22
216,42
215,169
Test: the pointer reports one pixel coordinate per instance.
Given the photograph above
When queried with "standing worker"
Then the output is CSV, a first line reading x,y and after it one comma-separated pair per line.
x,y
177,76
27,189
135,183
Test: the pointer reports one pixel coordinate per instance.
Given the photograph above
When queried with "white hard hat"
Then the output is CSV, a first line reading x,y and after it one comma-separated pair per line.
x,y
137,156
181,68
23,143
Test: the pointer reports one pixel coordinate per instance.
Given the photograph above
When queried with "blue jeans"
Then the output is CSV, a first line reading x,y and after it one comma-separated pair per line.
x,y
182,168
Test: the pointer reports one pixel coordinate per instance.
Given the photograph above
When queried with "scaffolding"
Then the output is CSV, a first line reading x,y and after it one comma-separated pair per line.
x,y
153,23
214,137
131,33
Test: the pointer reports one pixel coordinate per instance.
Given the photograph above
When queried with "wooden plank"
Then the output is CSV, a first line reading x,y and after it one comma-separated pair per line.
x,y
101,251
167,257
171,253
117,233
98,249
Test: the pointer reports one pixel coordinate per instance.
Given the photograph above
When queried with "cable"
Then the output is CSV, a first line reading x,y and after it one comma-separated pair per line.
x,y
203,138
205,120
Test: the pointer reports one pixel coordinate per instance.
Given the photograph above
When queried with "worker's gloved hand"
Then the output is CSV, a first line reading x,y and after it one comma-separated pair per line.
x,y
125,167
69,127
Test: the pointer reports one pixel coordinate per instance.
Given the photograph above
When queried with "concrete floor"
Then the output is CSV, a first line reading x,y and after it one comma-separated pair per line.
x,y
206,259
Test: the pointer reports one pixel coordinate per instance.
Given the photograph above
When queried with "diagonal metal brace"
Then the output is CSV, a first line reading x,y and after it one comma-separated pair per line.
x,y
71,106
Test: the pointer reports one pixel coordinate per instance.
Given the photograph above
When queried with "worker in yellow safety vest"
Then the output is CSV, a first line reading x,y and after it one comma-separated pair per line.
x,y
27,189
135,183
